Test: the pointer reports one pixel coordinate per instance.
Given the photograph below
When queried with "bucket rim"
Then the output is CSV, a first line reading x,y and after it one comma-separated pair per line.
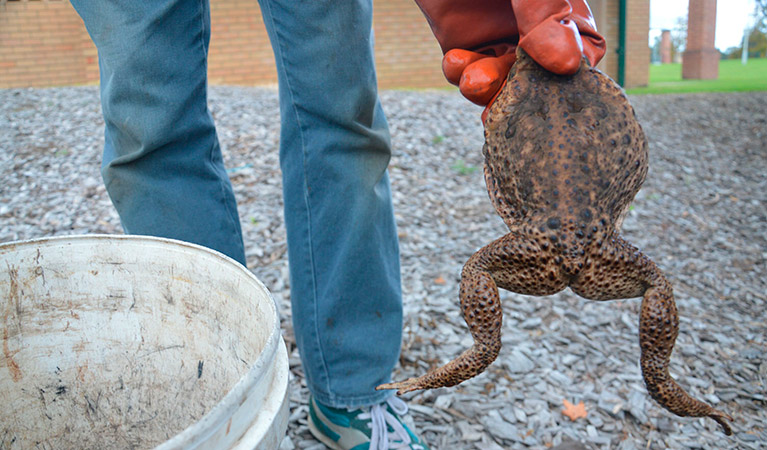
x,y
198,432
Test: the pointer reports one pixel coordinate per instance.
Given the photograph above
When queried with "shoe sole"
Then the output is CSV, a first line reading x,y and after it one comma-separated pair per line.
x,y
321,437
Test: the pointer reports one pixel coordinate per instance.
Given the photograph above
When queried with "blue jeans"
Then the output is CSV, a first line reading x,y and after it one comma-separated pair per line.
x,y
163,169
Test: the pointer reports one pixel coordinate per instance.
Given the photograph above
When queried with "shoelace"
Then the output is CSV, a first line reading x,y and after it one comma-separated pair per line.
x,y
381,419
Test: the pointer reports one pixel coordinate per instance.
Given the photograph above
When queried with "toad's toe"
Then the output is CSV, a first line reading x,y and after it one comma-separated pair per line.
x,y
721,418
411,384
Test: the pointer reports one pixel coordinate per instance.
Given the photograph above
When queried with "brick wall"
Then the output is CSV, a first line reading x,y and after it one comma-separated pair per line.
x,y
637,46
407,55
665,47
606,16
606,13
44,43
701,58
240,53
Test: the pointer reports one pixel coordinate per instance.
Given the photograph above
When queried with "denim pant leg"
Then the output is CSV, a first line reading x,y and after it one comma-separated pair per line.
x,y
342,239
162,163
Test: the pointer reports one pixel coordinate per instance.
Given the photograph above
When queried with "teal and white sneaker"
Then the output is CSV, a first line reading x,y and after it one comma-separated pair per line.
x,y
376,427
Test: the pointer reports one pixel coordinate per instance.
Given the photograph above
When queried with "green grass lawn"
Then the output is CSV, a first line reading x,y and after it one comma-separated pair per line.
x,y
733,77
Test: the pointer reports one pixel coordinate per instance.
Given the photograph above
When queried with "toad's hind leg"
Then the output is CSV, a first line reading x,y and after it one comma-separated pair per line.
x,y
620,270
512,262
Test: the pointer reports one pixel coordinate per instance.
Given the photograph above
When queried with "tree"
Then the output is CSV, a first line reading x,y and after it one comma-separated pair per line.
x,y
757,44
655,50
757,35
679,37
757,41
761,12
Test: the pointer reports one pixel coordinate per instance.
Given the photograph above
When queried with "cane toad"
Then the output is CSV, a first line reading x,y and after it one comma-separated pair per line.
x,y
564,158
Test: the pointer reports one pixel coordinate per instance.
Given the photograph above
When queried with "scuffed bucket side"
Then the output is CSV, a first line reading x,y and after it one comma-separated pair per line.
x,y
253,414
263,434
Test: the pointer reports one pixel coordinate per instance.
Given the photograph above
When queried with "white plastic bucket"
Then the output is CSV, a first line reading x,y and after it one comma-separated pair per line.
x,y
136,342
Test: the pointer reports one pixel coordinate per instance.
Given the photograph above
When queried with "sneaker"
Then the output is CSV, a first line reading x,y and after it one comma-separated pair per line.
x,y
376,427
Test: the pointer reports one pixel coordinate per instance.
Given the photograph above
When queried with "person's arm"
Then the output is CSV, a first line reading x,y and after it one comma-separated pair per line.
x,y
479,39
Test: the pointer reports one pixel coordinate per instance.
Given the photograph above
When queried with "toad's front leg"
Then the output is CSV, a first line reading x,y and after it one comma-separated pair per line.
x,y
512,262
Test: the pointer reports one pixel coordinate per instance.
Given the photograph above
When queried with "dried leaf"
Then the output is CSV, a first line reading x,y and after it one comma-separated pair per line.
x,y
439,280
574,412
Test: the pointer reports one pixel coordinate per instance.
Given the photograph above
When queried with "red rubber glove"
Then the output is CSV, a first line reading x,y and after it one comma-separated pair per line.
x,y
479,39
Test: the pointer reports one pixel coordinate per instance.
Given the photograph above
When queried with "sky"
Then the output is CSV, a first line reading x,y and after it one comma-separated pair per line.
x,y
731,18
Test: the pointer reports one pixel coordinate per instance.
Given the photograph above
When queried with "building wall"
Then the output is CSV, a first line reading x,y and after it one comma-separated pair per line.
x,y
606,14
637,45
44,43
239,52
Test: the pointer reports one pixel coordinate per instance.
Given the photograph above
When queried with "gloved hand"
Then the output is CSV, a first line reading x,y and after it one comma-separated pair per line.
x,y
479,39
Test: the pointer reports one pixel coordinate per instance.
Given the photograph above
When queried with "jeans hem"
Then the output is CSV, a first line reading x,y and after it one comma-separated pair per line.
x,y
353,402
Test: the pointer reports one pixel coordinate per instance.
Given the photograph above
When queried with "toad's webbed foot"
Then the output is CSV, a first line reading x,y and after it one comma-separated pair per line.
x,y
620,270
482,311
512,263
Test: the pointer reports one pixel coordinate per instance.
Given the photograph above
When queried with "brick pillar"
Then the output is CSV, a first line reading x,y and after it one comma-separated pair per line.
x,y
665,47
701,59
